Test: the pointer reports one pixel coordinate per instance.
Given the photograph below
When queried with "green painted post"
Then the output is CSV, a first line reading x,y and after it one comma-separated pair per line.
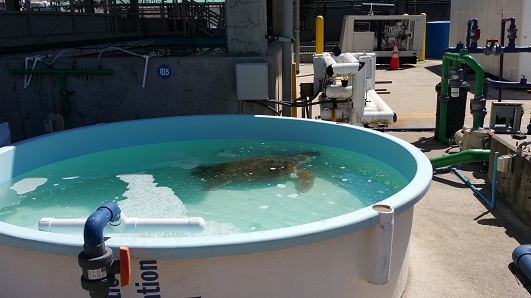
x,y
62,73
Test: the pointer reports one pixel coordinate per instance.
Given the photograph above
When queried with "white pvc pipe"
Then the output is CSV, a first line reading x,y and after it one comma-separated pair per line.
x,y
346,58
127,225
27,78
377,269
376,109
345,69
338,91
358,97
146,57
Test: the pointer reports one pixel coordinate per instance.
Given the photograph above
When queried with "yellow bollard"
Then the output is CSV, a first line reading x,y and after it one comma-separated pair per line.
x,y
422,56
319,34
293,88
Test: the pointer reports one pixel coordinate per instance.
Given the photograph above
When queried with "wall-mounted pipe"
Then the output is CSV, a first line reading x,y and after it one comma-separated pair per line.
x,y
126,225
62,73
522,258
146,58
512,37
472,33
485,50
377,265
287,51
523,84
27,77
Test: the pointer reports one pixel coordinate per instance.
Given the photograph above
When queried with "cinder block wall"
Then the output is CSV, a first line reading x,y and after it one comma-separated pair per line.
x,y
514,189
196,85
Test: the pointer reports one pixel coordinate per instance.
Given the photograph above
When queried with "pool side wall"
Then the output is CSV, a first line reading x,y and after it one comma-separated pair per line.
x,y
330,268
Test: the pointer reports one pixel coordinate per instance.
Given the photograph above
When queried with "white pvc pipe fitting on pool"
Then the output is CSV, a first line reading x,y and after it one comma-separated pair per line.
x,y
126,225
378,267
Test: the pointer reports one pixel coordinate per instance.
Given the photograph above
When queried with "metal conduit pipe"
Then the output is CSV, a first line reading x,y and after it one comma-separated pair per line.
x,y
512,37
481,50
146,57
287,51
472,33
523,84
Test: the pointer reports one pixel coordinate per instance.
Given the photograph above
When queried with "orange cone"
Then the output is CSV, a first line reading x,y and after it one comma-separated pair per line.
x,y
394,64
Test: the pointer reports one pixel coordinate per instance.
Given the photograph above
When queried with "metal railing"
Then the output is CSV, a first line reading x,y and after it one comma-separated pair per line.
x,y
35,25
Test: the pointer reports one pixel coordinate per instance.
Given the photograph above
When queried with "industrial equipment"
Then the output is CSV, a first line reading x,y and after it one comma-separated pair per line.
x,y
378,33
346,84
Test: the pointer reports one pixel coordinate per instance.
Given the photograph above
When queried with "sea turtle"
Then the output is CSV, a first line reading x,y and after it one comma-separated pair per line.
x,y
257,169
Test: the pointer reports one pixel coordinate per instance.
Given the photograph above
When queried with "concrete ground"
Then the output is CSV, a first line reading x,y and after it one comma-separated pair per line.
x,y
460,247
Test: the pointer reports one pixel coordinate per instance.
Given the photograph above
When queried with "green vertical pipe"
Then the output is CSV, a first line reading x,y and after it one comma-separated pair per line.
x,y
456,58
480,75
443,109
61,73
64,99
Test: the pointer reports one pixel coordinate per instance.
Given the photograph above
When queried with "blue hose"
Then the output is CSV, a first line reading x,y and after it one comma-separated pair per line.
x,y
96,222
522,259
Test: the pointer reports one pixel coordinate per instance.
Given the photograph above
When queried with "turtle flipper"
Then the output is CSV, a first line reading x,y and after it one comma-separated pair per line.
x,y
306,180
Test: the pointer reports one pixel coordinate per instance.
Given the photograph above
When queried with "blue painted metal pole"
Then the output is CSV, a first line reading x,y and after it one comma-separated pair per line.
x,y
492,201
494,178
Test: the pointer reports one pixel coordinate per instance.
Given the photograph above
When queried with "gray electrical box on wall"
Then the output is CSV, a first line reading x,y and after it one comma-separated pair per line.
x,y
251,81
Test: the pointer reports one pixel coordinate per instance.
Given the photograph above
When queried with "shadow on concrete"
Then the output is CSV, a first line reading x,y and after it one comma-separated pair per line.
x,y
402,67
425,144
521,278
436,69
476,173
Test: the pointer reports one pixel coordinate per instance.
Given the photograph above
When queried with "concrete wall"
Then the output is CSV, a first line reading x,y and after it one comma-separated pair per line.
x,y
514,187
197,85
246,27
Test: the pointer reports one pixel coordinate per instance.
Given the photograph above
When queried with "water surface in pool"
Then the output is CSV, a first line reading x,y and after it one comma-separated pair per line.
x,y
157,181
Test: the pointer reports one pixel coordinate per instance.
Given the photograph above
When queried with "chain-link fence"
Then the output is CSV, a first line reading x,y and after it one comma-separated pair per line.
x,y
29,25
435,10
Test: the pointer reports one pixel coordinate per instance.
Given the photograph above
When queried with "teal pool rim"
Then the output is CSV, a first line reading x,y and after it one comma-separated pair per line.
x,y
21,157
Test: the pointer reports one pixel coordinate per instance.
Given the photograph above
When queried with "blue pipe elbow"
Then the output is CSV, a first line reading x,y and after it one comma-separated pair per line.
x,y
522,259
96,222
